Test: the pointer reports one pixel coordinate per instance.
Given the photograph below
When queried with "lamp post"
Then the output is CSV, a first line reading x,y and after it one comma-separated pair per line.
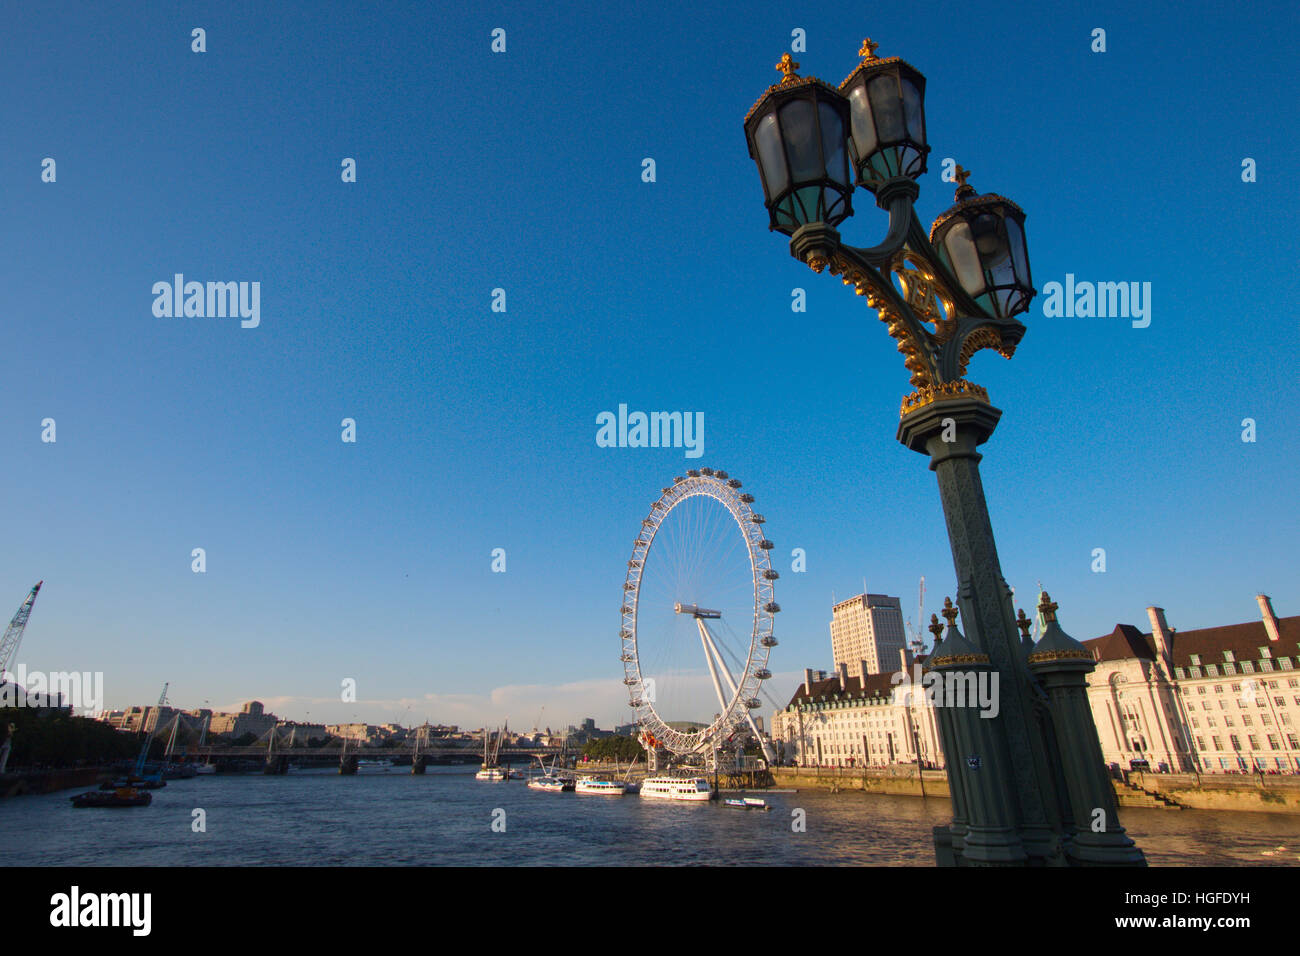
x,y
959,289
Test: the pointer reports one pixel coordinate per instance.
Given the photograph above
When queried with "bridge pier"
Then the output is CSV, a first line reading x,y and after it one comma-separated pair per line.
x,y
348,765
276,764
418,764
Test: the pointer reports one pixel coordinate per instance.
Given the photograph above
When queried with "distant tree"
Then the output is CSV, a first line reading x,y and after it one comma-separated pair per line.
x,y
60,740
244,740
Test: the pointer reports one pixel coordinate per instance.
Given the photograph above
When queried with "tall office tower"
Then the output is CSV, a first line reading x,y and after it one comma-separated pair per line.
x,y
867,634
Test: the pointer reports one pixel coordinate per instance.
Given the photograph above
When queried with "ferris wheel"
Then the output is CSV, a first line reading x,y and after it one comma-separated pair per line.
x,y
698,612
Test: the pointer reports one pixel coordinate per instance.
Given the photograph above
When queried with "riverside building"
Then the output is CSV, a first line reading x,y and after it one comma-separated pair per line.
x,y
1214,700
845,721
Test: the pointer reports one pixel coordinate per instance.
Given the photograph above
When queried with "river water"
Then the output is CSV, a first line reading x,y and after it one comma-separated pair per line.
x,y
319,818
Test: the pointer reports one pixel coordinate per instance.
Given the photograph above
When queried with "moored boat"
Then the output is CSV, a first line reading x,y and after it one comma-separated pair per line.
x,y
604,788
676,788
550,783
121,797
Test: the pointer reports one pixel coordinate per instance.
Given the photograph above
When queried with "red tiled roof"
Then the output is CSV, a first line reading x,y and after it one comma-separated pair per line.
x,y
1208,643
830,687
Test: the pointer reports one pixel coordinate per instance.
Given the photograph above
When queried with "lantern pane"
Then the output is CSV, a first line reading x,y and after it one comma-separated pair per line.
x,y
771,156
965,261
1019,256
864,128
886,107
912,111
837,167
799,126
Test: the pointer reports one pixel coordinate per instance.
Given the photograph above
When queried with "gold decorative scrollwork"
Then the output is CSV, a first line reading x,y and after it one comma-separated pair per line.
x,y
938,393
985,338
926,296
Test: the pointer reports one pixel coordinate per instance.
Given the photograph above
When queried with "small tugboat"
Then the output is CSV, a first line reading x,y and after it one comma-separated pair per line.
x,y
748,803
121,797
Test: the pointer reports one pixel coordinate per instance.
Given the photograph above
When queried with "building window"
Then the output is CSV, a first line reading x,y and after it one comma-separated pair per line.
x,y
1229,669
1236,688
1211,722
1254,742
1280,701
1265,652
1218,743
1200,743
1284,663
1218,688
1179,673
1247,667
1236,744
1196,660
1245,721
1227,721
1212,670
1196,722
1266,665
1293,741
1272,743
1266,720
1200,689
1227,656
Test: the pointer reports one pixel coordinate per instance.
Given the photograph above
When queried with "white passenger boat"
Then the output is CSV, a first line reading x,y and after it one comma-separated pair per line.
x,y
676,788
607,788
491,752
550,784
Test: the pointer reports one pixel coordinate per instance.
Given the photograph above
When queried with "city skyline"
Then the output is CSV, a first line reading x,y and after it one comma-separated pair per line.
x,y
479,430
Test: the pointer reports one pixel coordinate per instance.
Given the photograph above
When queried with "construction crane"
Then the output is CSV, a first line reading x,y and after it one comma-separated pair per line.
x,y
144,751
14,633
918,644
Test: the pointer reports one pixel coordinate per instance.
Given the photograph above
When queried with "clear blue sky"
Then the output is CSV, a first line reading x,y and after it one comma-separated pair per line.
x,y
476,430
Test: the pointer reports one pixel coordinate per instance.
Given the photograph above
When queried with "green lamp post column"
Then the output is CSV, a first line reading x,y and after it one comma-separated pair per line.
x,y
958,291
1062,664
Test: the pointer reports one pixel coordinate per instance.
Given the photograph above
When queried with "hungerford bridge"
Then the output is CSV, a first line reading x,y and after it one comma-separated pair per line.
x,y
277,752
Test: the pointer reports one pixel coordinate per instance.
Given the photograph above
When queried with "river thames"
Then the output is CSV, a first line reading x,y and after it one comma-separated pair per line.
x,y
445,818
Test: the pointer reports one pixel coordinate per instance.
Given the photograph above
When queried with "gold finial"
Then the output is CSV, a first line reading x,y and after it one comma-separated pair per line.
x,y
868,51
1024,624
1046,607
961,174
949,612
936,628
788,67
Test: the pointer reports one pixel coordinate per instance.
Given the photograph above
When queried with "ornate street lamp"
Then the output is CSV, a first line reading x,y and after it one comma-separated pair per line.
x,y
796,133
958,291
981,240
887,100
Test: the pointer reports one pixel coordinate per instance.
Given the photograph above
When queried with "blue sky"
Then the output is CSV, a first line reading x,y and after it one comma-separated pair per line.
x,y
476,429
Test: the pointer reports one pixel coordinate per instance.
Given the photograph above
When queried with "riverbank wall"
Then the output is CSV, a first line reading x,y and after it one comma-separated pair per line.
x,y
48,781
1153,790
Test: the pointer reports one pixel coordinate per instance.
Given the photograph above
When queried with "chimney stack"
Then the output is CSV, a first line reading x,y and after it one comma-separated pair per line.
x,y
1160,634
807,681
842,670
1270,619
